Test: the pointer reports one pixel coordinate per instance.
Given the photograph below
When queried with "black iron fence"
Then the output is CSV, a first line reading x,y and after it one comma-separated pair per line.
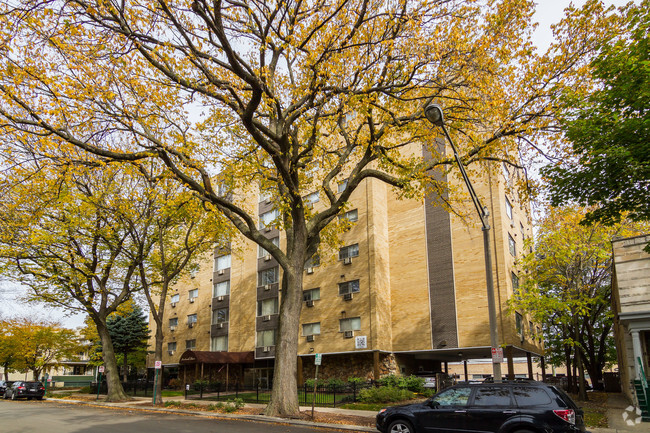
x,y
323,395
136,388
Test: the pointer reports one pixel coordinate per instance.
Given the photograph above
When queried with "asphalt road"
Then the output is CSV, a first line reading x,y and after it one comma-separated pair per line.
x,y
53,417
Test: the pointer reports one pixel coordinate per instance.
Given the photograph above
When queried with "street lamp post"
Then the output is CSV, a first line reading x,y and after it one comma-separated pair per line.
x,y
433,113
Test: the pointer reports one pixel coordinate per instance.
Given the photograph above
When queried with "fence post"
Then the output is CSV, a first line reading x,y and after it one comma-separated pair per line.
x,y
187,386
237,390
201,390
334,392
257,392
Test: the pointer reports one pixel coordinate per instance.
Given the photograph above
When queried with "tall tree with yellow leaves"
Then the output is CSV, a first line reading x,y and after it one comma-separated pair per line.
x,y
291,99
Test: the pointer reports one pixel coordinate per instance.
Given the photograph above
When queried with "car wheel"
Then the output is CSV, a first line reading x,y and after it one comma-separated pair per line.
x,y
39,398
400,426
6,396
29,398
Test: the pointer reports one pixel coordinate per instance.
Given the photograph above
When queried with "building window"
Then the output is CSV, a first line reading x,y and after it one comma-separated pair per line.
x,y
349,287
267,218
221,289
192,294
349,252
190,344
191,319
219,344
512,246
261,252
312,198
171,346
350,324
342,185
175,298
508,209
268,276
515,282
173,322
351,215
311,294
222,262
530,327
311,329
519,324
313,261
220,316
266,338
267,307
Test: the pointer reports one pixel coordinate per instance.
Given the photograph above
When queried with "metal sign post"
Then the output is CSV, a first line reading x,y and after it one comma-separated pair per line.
x,y
99,382
158,366
317,362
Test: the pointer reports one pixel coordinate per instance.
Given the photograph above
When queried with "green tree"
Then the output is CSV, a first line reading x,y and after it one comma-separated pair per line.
x,y
609,129
567,288
129,333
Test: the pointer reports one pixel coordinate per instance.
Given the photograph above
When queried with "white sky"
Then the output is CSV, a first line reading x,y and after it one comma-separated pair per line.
x,y
548,12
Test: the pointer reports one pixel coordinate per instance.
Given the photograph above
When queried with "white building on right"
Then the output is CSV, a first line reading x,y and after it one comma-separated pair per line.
x,y
631,305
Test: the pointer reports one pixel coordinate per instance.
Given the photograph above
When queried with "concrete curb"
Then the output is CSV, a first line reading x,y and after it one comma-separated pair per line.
x,y
245,417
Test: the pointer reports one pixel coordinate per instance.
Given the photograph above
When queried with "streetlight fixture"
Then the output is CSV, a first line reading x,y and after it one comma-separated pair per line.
x,y
434,114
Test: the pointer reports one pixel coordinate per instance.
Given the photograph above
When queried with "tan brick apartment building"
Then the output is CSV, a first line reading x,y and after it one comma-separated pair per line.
x,y
405,293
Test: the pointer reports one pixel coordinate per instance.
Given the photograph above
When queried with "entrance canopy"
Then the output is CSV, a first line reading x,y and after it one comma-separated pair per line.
x,y
190,357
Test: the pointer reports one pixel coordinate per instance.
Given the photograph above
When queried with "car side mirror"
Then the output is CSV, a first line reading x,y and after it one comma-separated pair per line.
x,y
433,404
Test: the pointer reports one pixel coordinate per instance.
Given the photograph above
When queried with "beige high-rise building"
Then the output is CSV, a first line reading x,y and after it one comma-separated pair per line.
x,y
405,294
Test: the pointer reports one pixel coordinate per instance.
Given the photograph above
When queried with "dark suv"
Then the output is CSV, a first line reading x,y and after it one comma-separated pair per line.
x,y
28,390
507,407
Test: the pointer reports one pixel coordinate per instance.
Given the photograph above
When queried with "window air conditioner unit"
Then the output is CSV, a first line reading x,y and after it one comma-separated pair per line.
x,y
171,352
348,334
172,328
173,304
347,261
310,338
310,303
220,298
266,318
266,349
267,258
190,325
347,297
191,300
310,270
221,272
267,287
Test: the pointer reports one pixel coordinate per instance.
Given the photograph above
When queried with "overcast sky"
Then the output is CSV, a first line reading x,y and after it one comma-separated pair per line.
x,y
548,12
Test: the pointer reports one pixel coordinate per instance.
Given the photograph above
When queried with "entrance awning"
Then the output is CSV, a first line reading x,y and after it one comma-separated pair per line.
x,y
202,357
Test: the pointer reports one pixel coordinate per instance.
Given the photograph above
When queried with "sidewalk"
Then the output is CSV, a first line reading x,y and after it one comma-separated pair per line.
x,y
618,415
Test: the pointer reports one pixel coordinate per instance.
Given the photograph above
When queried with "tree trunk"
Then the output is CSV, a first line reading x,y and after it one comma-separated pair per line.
x,y
582,392
111,372
567,354
158,343
125,365
284,396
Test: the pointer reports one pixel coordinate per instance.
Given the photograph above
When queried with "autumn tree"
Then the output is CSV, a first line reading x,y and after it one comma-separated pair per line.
x,y
567,288
291,99
609,130
38,345
9,349
66,240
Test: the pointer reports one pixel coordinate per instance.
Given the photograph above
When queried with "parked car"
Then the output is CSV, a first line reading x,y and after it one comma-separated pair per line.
x,y
513,407
23,389
4,384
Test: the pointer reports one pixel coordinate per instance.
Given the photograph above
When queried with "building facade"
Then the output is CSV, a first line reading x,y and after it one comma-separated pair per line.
x,y
405,293
631,305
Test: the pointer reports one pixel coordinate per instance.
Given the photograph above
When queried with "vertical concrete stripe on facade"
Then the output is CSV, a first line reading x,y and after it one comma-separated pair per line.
x,y
441,267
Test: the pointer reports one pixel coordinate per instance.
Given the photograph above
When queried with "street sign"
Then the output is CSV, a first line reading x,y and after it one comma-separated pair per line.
x,y
497,354
158,365
101,368
318,359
